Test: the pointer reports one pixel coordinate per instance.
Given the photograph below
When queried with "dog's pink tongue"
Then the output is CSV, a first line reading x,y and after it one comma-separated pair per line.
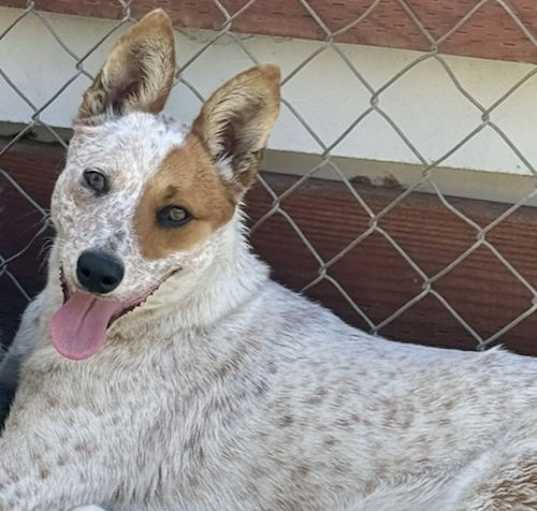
x,y
78,329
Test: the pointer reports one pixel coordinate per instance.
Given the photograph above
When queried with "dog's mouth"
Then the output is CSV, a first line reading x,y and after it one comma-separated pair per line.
x,y
129,305
78,328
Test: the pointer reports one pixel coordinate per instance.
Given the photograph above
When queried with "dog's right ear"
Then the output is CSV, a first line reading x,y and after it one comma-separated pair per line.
x,y
138,73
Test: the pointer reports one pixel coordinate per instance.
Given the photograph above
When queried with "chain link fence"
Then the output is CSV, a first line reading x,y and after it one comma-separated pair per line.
x,y
324,150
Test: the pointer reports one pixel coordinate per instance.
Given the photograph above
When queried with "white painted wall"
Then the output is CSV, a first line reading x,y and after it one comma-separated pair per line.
x,y
424,103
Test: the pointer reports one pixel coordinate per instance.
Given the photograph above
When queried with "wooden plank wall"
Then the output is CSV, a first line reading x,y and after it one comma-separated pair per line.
x,y
373,274
489,33
379,280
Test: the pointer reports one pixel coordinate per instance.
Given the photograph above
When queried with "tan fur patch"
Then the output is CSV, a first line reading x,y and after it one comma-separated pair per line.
x,y
186,178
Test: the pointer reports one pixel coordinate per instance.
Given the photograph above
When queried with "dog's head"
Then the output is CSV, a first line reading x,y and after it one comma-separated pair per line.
x,y
141,197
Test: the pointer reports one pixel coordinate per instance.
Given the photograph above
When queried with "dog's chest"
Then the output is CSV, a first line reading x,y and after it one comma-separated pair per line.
x,y
179,407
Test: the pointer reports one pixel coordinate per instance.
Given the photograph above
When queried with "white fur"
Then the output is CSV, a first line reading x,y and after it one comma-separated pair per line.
x,y
225,391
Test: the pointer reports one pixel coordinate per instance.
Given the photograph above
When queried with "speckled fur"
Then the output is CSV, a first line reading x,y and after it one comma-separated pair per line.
x,y
227,392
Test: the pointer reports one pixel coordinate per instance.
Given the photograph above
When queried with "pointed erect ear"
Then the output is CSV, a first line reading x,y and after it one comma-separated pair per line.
x,y
138,73
235,122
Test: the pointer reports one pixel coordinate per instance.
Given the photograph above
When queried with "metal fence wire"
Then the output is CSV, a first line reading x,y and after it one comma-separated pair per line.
x,y
325,150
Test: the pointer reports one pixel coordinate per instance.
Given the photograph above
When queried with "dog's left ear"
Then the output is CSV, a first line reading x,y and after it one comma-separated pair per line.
x,y
138,73
235,122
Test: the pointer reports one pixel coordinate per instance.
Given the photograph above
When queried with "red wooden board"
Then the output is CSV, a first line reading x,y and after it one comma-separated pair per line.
x,y
490,32
373,274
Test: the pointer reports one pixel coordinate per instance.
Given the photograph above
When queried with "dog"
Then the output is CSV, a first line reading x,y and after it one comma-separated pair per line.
x,y
162,370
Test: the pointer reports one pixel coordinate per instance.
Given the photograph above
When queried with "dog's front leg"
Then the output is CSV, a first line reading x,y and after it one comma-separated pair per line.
x,y
28,483
41,470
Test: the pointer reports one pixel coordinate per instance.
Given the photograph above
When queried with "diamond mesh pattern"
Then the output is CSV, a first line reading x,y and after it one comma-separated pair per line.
x,y
427,281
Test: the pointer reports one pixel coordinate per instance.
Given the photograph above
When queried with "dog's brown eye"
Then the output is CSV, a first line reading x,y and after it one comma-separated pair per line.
x,y
173,216
96,181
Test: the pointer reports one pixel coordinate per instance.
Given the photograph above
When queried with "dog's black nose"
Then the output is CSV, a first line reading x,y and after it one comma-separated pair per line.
x,y
99,272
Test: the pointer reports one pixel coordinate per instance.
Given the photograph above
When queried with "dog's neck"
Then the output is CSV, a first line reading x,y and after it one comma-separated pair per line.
x,y
193,300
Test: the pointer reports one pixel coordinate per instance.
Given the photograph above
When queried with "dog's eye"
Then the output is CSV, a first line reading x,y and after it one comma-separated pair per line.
x,y
96,181
173,216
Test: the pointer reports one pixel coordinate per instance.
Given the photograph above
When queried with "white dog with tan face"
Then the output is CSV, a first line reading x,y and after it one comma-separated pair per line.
x,y
164,371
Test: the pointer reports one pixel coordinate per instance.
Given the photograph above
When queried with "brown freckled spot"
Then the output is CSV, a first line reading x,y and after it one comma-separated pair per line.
x,y
341,467
193,481
303,470
192,441
449,404
285,421
12,476
52,402
422,439
423,461
224,369
370,487
43,472
331,441
186,178
380,471
258,472
82,448
341,399
388,404
231,364
318,396
342,423
261,388
389,418
251,489
407,422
